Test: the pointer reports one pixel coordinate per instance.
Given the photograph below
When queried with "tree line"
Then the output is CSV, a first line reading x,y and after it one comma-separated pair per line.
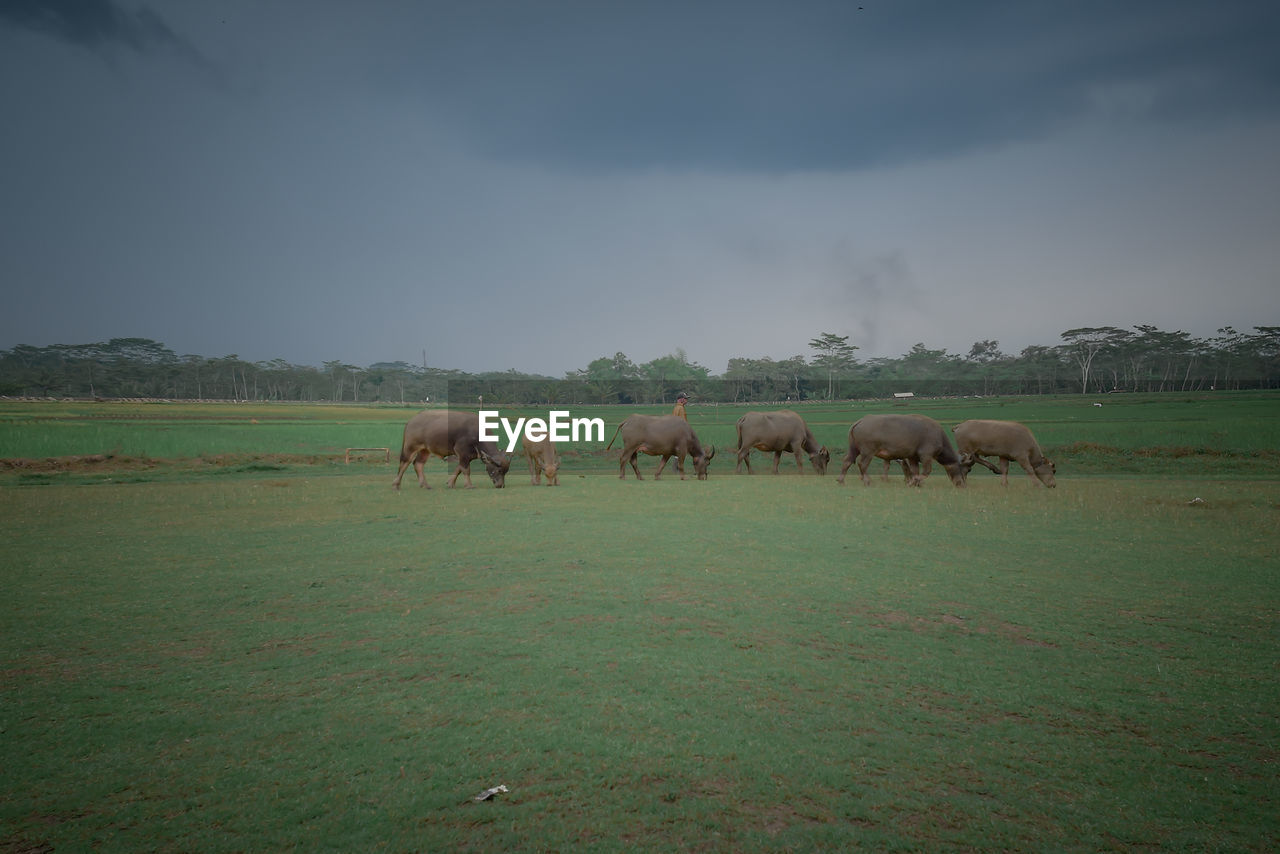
x,y
1086,360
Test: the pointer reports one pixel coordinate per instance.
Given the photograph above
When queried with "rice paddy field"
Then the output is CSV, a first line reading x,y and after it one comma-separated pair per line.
x,y
219,635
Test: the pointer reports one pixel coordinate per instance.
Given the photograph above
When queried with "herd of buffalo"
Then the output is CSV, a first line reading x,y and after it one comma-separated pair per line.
x,y
916,441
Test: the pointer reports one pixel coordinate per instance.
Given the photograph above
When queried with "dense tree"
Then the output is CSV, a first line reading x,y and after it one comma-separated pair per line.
x,y
668,375
1162,361
835,357
1089,359
1264,349
987,364
614,376
1039,368
1083,345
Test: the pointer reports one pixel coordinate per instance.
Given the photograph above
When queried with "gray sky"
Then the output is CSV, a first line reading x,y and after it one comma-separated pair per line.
x,y
533,184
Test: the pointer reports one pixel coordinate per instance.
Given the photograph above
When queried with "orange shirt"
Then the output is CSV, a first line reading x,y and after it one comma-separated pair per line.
x,y
679,410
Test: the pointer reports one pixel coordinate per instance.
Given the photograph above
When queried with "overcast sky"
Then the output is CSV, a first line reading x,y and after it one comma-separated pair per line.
x,y
534,184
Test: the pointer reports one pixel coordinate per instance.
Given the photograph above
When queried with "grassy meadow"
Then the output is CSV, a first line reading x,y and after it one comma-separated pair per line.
x,y
219,637
1183,434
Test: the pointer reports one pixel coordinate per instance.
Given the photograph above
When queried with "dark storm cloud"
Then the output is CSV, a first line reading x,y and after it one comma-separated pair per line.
x,y
90,23
355,181
103,24
827,85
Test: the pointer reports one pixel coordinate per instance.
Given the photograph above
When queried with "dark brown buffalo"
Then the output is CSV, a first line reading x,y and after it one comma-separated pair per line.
x,y
441,432
779,432
663,436
1007,440
914,439
542,459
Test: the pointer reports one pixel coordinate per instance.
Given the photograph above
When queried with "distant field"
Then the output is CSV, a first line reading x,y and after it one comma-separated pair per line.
x,y
1191,435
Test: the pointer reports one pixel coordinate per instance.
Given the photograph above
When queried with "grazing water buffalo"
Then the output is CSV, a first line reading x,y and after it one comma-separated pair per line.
x,y
442,433
913,439
542,459
666,436
778,432
1007,440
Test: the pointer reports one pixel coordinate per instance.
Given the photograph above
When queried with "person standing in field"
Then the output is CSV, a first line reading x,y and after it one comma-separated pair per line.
x,y
678,409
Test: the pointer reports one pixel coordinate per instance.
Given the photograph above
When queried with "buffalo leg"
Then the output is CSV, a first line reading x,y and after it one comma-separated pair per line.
x,y
629,454
848,461
864,463
744,455
1004,471
888,464
417,460
661,466
463,469
404,464
464,464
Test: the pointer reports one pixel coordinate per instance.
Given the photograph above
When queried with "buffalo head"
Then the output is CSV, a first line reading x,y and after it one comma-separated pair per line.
x,y
1045,470
957,471
819,460
700,463
496,465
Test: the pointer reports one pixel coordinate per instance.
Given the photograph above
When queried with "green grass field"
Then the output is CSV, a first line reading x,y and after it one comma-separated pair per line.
x,y
1187,435
252,646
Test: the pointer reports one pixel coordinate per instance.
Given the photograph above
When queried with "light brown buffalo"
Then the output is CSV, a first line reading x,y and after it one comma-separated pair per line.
x,y
543,459
663,436
778,432
1007,440
442,432
914,439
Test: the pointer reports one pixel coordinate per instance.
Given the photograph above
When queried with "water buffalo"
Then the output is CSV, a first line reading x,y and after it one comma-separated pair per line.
x,y
778,432
913,439
542,459
1007,440
442,433
666,436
